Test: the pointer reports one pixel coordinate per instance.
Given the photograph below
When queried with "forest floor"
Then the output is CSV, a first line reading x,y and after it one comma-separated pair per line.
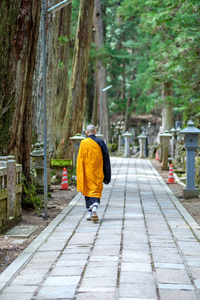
x,y
12,246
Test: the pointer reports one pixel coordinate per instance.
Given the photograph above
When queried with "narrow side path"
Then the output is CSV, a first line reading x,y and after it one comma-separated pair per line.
x,y
146,246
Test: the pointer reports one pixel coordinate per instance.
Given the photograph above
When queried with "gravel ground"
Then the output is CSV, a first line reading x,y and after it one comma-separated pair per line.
x,y
11,247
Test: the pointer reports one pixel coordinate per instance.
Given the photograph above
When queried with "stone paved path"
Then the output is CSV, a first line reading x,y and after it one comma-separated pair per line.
x,y
146,246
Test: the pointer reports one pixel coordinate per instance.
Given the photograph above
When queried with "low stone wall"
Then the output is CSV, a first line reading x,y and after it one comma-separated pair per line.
x,y
10,192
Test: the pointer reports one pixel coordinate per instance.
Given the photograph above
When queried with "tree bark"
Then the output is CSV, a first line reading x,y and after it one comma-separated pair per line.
x,y
56,80
90,96
95,110
167,113
128,114
19,34
101,70
77,91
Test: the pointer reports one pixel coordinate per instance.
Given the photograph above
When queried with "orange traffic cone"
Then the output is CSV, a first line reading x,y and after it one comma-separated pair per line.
x,y
171,175
157,155
162,165
64,185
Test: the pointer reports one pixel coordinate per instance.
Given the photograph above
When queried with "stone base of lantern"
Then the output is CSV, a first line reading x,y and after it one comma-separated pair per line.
x,y
187,193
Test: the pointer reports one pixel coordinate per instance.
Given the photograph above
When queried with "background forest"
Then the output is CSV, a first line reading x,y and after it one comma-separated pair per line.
x,y
147,50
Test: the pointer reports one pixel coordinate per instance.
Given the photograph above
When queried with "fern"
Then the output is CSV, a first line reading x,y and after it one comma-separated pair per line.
x,y
30,198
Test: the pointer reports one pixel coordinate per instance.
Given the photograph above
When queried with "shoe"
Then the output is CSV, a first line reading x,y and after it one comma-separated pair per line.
x,y
89,215
95,217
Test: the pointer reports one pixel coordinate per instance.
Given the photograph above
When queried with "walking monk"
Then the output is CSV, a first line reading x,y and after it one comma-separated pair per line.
x,y
93,168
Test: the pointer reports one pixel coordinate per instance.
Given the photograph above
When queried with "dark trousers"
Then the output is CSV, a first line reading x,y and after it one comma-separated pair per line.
x,y
89,201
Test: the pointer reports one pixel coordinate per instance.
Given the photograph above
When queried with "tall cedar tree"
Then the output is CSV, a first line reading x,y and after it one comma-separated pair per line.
x,y
19,34
58,28
101,71
77,91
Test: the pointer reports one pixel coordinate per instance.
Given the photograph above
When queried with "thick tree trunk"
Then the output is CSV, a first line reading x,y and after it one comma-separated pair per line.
x,y
19,34
128,108
57,76
95,118
167,113
77,91
101,70
124,82
128,113
90,96
105,108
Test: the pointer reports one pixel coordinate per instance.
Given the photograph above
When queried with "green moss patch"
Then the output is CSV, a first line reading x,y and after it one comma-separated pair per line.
x,y
61,162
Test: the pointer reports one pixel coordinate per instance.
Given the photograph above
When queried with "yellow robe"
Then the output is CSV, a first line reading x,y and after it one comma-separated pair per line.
x,y
90,169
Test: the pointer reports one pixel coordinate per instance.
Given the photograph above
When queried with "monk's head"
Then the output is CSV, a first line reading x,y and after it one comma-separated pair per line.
x,y
90,129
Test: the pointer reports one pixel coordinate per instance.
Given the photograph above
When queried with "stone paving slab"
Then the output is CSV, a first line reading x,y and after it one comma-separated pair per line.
x,y
20,289
137,277
137,290
172,276
56,292
137,298
146,246
21,231
96,296
17,296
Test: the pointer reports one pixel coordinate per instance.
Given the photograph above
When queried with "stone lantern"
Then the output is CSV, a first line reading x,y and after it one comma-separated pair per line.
x,y
142,140
161,147
119,128
77,141
127,137
178,135
165,144
38,164
173,142
191,143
